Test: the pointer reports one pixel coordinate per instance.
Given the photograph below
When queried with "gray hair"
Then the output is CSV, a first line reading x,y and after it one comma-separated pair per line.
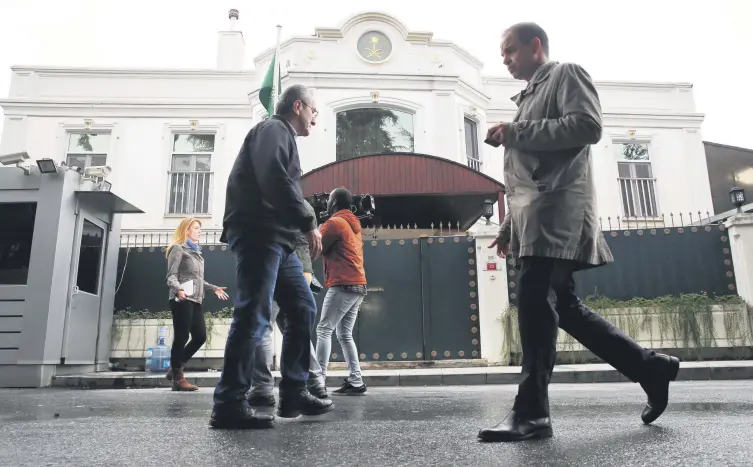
x,y
296,92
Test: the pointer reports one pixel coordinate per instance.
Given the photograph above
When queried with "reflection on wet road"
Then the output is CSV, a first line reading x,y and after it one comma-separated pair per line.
x,y
595,425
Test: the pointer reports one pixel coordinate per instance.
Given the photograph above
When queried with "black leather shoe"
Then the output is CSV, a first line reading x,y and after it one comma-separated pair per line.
x,y
261,400
664,369
293,404
517,428
318,391
241,417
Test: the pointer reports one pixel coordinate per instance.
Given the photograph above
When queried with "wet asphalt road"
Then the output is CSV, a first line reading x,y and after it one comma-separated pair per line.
x,y
707,424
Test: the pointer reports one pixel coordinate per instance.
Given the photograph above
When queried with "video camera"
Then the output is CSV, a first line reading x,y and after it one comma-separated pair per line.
x,y
362,207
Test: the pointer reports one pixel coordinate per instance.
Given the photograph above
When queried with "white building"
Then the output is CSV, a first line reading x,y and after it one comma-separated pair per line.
x,y
171,135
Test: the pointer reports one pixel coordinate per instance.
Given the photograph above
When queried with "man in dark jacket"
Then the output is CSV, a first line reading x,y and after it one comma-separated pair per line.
x,y
551,231
265,213
262,381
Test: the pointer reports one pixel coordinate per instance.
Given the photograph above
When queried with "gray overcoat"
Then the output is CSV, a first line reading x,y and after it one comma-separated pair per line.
x,y
548,171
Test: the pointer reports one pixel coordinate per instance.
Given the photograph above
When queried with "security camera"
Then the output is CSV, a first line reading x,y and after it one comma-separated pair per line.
x,y
97,171
15,158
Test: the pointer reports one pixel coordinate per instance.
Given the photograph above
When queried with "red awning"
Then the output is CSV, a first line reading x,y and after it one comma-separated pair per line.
x,y
411,188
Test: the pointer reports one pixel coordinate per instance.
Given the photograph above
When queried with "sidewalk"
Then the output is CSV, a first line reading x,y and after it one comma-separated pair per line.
x,y
591,373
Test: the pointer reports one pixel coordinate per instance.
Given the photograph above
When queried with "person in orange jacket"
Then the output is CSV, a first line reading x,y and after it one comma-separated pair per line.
x,y
344,275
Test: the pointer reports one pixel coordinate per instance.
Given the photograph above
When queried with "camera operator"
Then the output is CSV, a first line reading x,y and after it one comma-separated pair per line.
x,y
344,275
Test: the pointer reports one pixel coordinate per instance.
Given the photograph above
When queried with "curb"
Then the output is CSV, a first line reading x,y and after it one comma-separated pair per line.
x,y
566,374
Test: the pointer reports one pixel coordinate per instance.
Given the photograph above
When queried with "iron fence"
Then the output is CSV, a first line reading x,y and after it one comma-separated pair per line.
x,y
148,238
211,236
670,220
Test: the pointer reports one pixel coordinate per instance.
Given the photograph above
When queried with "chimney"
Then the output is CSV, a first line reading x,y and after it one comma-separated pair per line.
x,y
231,47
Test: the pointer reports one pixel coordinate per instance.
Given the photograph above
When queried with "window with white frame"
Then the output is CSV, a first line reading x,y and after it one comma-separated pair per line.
x,y
636,180
190,176
473,159
87,149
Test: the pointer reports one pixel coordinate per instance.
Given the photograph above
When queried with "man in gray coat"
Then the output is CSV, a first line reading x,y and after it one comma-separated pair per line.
x,y
551,231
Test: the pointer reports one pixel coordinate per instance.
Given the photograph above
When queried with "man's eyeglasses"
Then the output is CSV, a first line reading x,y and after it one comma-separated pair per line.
x,y
313,109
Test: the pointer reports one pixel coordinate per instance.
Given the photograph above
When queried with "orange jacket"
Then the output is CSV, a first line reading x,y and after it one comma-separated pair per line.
x,y
342,247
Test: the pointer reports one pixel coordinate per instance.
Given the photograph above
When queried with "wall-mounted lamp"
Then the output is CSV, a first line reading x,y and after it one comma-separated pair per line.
x,y
737,197
374,97
47,166
193,124
488,211
87,124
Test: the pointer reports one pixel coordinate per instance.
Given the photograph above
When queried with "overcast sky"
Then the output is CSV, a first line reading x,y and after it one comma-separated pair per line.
x,y
703,42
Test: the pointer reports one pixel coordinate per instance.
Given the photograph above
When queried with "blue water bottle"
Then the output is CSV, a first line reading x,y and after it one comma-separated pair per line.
x,y
160,358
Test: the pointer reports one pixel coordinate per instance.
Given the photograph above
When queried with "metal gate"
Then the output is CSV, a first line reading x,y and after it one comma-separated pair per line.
x,y
422,301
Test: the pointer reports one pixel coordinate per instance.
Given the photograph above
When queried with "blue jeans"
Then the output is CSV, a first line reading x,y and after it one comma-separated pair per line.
x,y
266,272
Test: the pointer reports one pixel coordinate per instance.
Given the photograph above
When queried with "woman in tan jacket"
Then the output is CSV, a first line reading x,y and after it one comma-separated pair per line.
x,y
185,278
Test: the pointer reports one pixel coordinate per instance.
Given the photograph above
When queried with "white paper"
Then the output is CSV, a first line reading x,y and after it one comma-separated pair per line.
x,y
187,287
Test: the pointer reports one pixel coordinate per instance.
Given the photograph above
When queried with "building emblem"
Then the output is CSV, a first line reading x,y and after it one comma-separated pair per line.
x,y
374,47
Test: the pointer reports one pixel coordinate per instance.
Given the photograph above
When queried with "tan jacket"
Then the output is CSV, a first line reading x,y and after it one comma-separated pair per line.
x,y
184,264
548,169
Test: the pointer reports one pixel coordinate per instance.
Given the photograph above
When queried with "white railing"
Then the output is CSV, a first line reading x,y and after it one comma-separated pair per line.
x,y
639,197
189,193
474,164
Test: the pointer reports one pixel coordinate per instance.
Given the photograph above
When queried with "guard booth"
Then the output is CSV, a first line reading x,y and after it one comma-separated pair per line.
x,y
59,240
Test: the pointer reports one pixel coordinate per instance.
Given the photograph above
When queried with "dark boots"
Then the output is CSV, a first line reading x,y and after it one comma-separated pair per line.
x,y
518,428
663,370
301,402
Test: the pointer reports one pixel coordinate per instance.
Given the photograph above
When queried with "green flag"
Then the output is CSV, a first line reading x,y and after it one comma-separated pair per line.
x,y
265,93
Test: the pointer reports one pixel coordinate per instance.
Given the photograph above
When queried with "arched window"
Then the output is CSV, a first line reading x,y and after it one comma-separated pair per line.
x,y
373,130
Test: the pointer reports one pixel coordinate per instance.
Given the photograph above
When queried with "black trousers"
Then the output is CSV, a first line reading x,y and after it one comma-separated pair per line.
x,y
546,301
187,319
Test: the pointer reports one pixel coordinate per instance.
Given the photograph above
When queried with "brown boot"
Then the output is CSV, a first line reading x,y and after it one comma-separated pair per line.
x,y
171,374
180,383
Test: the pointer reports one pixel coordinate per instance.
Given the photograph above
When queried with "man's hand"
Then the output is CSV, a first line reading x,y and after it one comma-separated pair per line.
x,y
502,248
498,132
314,238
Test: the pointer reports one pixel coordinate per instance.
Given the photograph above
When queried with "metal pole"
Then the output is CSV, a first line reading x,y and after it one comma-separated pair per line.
x,y
276,77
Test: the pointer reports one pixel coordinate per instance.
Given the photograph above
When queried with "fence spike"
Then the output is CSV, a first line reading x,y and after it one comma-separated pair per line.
x,y
432,226
682,223
708,217
700,218
415,225
691,218
458,226
601,225
619,223
609,219
672,217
